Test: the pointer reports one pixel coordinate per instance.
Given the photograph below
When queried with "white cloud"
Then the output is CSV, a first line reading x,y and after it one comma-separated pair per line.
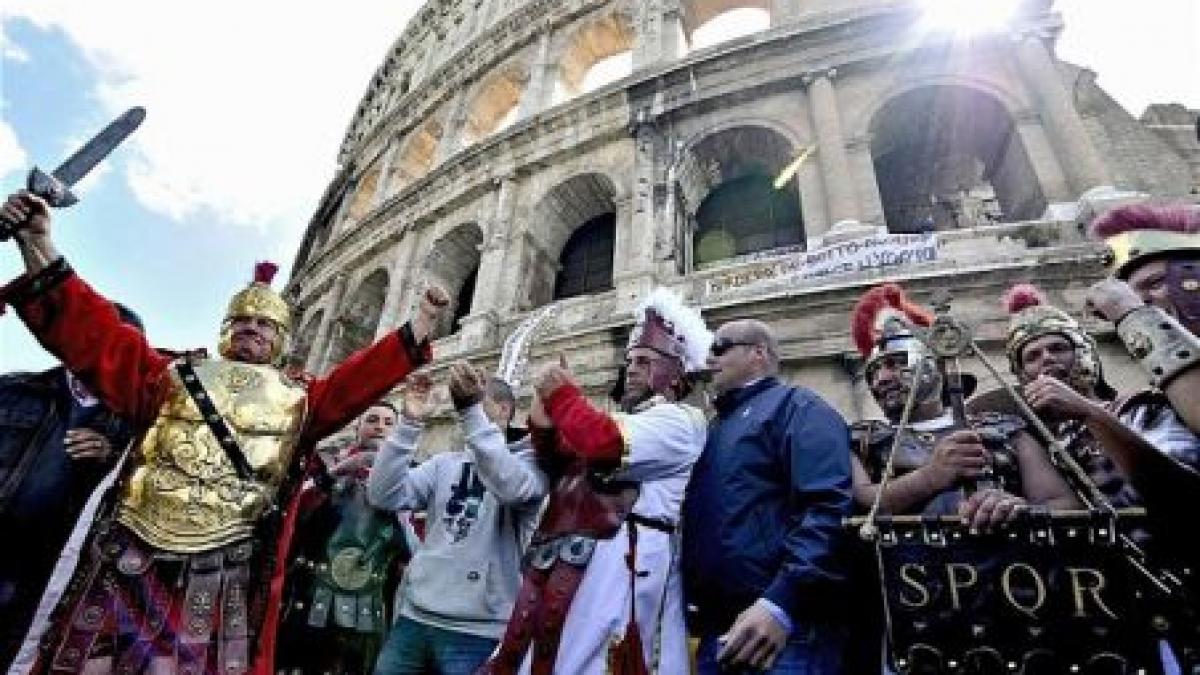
x,y
13,157
246,101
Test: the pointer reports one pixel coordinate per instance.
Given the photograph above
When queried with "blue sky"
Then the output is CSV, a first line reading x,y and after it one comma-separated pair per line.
x,y
246,109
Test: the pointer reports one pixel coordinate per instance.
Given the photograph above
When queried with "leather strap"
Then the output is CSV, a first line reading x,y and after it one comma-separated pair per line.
x,y
233,640
652,523
214,420
199,614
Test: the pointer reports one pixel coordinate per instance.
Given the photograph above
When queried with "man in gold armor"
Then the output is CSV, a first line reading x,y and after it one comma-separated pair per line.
x,y
182,571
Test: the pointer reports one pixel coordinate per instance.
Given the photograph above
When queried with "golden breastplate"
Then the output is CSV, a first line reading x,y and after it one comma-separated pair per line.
x,y
183,493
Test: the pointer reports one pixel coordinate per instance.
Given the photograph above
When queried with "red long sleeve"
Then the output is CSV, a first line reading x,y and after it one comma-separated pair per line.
x,y
585,431
362,379
83,329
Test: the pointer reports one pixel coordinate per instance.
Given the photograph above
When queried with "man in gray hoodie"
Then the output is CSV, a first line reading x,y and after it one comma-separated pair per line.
x,y
461,585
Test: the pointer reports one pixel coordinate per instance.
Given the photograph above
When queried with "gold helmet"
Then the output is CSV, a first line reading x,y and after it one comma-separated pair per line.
x,y
1138,233
1032,317
258,300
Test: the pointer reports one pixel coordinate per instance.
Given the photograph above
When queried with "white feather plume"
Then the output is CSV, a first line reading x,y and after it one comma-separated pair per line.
x,y
684,321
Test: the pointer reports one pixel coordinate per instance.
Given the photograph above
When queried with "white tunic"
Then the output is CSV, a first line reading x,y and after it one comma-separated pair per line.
x,y
664,442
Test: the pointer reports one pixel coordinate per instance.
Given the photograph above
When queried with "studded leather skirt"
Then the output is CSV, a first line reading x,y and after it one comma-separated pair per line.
x,y
137,606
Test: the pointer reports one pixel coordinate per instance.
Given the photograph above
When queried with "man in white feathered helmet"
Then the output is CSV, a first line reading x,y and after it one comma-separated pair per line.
x,y
601,591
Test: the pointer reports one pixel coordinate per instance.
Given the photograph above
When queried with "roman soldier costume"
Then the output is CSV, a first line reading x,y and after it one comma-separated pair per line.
x,y
1032,317
1164,345
883,326
185,563
601,592
336,614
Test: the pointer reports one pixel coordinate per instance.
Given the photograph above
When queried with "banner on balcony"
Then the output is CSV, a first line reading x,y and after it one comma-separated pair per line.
x,y
857,255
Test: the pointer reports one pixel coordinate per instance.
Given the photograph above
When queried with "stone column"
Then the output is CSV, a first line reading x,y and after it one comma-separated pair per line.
x,y
647,39
831,147
451,139
671,33
540,87
633,273
398,273
1084,167
488,303
319,351
385,173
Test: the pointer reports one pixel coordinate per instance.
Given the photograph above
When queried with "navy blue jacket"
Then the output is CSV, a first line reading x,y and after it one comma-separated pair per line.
x,y
42,490
762,513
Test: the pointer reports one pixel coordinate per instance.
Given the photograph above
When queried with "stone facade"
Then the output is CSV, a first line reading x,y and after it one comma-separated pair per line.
x,y
484,145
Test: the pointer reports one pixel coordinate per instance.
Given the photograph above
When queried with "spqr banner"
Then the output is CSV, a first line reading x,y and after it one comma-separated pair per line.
x,y
1051,594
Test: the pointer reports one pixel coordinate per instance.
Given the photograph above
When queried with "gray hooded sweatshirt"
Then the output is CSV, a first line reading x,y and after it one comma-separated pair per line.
x,y
480,504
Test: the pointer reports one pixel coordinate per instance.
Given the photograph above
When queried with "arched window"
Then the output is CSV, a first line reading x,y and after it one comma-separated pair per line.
x,y
462,304
746,215
587,259
949,157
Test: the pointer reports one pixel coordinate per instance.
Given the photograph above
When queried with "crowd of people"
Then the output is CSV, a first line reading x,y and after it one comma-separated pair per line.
x,y
172,512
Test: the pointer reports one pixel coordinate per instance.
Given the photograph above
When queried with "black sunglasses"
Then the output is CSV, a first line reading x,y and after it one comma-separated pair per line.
x,y
722,345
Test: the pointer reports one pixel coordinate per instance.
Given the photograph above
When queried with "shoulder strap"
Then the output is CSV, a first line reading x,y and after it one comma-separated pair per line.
x,y
214,420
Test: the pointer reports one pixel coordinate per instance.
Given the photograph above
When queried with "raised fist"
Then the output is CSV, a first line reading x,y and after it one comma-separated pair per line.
x,y
433,303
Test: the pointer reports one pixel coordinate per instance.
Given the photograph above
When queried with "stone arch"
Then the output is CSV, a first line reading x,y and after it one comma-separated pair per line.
x,y
728,181
305,338
858,125
359,316
452,263
363,198
709,22
495,104
950,156
585,201
599,51
415,156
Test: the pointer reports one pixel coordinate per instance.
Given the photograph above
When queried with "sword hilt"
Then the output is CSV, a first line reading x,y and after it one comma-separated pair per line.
x,y
56,193
52,190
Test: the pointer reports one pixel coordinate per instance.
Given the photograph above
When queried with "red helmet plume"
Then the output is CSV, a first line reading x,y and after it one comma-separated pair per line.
x,y
1023,296
874,307
264,272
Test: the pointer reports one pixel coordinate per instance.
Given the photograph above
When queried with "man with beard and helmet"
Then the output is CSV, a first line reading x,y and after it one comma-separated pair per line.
x,y
987,473
183,571
1153,299
601,590
1059,369
1057,363
336,614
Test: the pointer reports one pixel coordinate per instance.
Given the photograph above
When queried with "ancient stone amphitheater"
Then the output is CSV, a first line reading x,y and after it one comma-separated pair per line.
x,y
767,158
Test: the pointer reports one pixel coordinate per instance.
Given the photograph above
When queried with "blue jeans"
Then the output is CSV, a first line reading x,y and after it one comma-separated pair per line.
x,y
415,648
811,650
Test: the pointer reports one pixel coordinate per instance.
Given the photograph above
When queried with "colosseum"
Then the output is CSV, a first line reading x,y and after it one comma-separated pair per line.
x,y
766,158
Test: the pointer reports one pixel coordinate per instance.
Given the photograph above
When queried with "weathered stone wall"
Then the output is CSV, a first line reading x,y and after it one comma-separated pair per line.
x,y
477,149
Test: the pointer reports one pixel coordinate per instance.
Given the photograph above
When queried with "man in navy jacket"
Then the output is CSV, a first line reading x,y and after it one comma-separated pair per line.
x,y
762,517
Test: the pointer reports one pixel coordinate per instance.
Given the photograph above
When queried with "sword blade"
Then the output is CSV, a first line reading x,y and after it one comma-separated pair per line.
x,y
79,164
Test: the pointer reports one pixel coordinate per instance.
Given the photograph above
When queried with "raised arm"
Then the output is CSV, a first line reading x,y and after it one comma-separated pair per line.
x,y
392,484
370,373
514,479
79,326
659,442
